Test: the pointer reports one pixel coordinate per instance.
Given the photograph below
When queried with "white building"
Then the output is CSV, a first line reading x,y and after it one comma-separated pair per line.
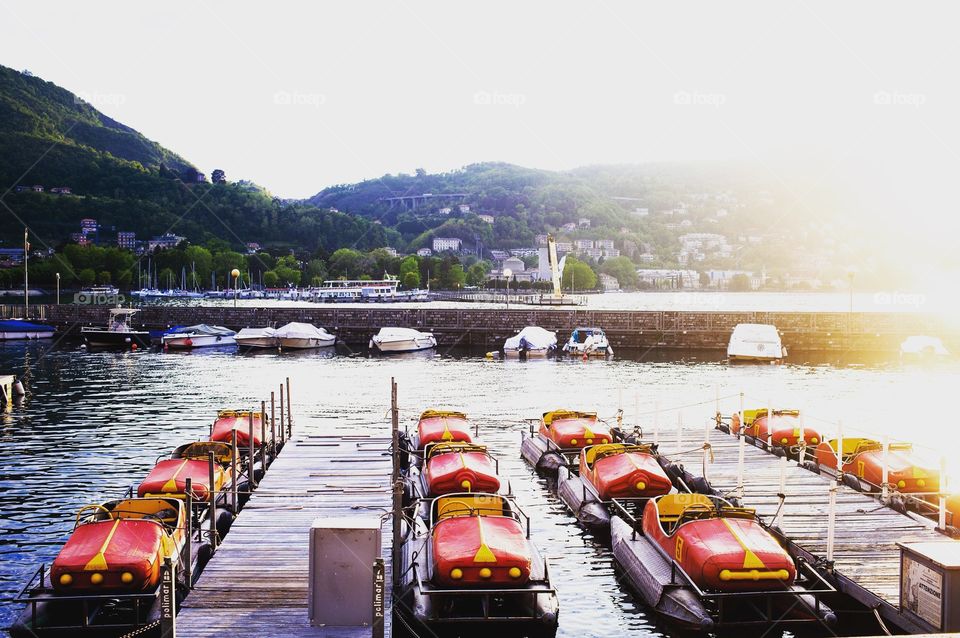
x,y
609,283
424,252
486,218
445,210
464,208
669,277
583,222
583,244
604,244
441,244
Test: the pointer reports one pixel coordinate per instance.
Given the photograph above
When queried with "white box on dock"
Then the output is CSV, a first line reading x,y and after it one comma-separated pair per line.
x,y
930,584
342,555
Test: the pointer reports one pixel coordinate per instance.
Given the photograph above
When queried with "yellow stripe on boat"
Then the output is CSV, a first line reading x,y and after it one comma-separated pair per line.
x,y
754,574
99,561
447,435
750,560
483,555
171,485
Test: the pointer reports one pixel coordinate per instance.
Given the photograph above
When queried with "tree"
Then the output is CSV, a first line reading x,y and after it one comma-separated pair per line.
x,y
704,278
740,283
345,263
477,273
622,269
456,278
410,280
270,279
218,176
316,271
87,276
103,277
578,275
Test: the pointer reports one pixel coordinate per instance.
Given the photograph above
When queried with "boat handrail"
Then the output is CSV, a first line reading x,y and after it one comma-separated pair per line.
x,y
443,447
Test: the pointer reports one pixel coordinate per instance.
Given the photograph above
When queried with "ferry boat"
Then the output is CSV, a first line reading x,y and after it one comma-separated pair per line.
x,y
361,290
755,342
301,336
469,566
588,342
18,329
198,336
531,342
117,333
394,339
562,434
608,471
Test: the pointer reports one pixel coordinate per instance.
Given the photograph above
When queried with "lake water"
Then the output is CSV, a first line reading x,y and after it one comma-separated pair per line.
x,y
95,422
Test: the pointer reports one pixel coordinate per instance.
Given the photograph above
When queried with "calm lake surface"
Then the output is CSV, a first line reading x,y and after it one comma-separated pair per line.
x,y
95,422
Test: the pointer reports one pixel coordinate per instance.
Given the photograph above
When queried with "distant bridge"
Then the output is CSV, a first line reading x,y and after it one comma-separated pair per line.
x,y
408,202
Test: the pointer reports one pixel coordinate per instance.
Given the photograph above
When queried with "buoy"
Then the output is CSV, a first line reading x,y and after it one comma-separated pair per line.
x,y
18,390
133,346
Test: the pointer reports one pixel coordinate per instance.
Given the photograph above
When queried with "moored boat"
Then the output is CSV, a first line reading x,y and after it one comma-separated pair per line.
x,y
295,335
862,463
588,342
198,336
229,420
458,467
118,333
393,339
923,347
469,565
531,342
608,471
755,342
168,478
781,431
562,433
257,338
18,329
438,426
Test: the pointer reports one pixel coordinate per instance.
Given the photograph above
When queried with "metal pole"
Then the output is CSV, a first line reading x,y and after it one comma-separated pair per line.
x,y
273,431
769,423
831,520
839,450
168,602
803,439
273,417
656,422
187,567
283,428
741,441
26,274
679,430
942,518
212,493
251,451
782,494
884,488
289,411
58,289
263,435
234,497
636,409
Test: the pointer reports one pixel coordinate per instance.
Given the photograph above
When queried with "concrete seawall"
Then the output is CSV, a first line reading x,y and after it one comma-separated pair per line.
x,y
487,328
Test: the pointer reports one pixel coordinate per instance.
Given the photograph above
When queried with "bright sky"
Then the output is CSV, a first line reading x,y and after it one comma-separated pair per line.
x,y
300,95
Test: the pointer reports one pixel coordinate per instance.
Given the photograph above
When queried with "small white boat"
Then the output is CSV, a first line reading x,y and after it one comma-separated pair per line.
x,y
591,342
118,333
199,336
402,340
304,336
923,346
257,338
20,329
532,341
755,342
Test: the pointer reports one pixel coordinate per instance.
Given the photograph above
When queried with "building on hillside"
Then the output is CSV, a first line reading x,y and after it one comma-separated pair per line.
x,y
647,258
441,244
611,252
424,252
564,247
583,222
499,255
569,227
641,212
88,226
583,244
391,251
464,208
523,252
541,240
446,210
486,218
604,244
592,253
61,190
253,248
127,240
609,283
166,240
670,278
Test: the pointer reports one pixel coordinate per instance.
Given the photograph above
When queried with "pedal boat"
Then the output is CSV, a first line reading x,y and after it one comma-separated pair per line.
x,y
560,436
458,467
782,431
239,420
470,566
119,546
438,426
608,471
704,564
862,465
169,477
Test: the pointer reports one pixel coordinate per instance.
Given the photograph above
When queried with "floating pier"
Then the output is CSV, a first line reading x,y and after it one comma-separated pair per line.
x,y
865,557
257,582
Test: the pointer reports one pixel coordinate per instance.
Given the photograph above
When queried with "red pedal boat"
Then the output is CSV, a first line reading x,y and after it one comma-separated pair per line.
x,y
239,420
618,470
782,430
573,429
439,426
476,542
119,546
169,478
459,467
720,547
863,459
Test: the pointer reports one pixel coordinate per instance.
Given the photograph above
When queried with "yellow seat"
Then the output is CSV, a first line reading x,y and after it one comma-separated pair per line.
x,y
603,450
222,452
671,506
469,505
433,449
549,417
431,413
854,445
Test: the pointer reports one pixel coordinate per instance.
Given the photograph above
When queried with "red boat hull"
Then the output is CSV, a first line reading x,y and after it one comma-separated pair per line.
x,y
480,550
440,427
782,429
125,546
574,431
461,472
169,478
229,421
626,475
904,473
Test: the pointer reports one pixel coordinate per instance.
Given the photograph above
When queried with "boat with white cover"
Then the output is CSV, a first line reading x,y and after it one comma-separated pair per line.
x,y
588,342
296,335
923,346
755,342
20,329
199,336
394,339
532,341
257,338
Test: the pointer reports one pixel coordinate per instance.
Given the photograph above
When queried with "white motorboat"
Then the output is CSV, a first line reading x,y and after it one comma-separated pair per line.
x,y
20,329
257,338
755,342
532,341
402,340
118,333
199,336
297,335
923,346
590,342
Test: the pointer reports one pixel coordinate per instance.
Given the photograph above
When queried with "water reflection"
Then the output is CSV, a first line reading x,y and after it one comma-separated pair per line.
x,y
93,423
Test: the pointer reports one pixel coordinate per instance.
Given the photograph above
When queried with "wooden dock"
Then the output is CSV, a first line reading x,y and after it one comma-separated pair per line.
x,y
257,582
866,557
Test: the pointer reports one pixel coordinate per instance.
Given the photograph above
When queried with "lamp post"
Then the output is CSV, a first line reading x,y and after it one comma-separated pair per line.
x,y
26,269
58,289
236,275
508,273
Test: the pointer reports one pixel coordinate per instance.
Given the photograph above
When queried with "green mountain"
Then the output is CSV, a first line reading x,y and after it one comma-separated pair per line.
x,y
50,137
